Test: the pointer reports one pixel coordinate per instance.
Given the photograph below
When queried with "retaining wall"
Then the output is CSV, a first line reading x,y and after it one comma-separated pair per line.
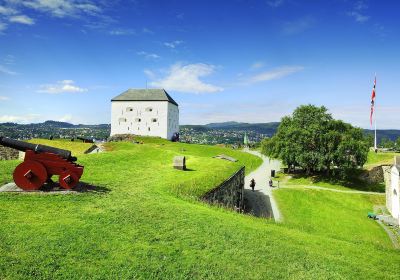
x,y
8,153
230,193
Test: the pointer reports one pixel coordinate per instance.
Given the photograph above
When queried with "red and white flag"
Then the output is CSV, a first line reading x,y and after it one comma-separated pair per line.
x,y
372,101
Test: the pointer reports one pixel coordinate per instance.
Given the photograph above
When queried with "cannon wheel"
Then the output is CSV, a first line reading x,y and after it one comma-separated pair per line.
x,y
30,175
68,180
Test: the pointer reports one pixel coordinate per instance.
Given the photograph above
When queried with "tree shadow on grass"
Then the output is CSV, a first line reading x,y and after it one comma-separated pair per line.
x,y
351,181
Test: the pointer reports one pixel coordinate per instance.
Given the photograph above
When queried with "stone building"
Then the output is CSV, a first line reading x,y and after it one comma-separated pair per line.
x,y
392,176
147,112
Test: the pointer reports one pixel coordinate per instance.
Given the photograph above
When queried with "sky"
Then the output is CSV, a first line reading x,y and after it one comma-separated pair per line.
x,y
236,60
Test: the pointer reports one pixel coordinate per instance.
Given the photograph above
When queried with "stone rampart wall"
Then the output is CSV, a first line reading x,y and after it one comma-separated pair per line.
x,y
8,153
230,193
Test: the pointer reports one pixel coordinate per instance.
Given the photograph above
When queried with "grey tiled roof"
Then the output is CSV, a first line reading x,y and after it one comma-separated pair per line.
x,y
145,95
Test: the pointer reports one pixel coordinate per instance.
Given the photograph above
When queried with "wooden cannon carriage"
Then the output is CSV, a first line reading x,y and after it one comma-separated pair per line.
x,y
41,163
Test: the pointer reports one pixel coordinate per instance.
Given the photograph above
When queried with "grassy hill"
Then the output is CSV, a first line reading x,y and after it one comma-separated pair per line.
x,y
375,159
76,147
146,223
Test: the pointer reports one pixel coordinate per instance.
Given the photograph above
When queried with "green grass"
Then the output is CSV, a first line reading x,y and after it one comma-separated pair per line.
x,y
353,182
141,227
381,158
332,182
338,215
77,147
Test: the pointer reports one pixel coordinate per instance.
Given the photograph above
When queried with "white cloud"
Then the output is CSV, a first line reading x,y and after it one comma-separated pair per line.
x,y
147,31
63,8
122,32
186,78
274,74
149,74
3,26
275,3
65,86
4,98
257,65
358,16
360,5
9,59
173,44
298,26
7,11
357,12
148,55
5,70
19,118
22,19
65,118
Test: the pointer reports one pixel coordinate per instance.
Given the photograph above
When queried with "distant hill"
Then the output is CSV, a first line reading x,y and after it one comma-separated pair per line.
x,y
54,129
264,128
392,134
270,128
102,131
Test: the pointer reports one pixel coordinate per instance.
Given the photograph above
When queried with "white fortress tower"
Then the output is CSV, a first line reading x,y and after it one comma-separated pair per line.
x,y
147,112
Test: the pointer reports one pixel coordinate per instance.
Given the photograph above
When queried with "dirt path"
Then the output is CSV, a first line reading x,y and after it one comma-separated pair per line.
x,y
261,202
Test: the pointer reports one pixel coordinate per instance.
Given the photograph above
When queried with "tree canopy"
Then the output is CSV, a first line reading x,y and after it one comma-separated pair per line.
x,y
311,139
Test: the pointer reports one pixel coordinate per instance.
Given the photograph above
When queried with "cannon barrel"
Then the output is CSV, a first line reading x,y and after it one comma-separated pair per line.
x,y
37,148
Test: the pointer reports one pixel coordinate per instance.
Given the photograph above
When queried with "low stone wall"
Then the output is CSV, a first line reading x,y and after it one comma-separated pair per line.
x,y
8,153
375,175
230,193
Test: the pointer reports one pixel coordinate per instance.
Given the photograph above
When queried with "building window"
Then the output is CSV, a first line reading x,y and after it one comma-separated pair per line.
x,y
129,109
149,109
154,120
149,128
122,120
138,120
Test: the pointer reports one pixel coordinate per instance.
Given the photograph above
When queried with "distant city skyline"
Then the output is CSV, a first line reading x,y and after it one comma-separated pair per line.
x,y
244,61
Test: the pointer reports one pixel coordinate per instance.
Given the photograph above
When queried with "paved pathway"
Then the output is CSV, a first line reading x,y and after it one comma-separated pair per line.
x,y
261,202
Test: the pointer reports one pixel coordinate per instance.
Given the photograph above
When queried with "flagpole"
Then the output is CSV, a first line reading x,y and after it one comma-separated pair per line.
x,y
375,147
375,144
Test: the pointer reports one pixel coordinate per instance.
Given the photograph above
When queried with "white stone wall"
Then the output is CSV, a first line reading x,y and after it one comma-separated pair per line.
x,y
173,120
147,118
394,193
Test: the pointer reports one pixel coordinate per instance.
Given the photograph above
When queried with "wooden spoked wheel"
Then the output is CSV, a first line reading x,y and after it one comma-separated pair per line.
x,y
68,180
30,175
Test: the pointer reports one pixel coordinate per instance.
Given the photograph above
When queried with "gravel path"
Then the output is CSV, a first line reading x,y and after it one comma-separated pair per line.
x,y
261,202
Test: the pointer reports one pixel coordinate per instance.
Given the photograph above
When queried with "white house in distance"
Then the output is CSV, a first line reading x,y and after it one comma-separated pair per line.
x,y
393,189
147,112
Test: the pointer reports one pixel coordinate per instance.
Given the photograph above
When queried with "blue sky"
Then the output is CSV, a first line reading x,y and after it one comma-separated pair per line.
x,y
248,61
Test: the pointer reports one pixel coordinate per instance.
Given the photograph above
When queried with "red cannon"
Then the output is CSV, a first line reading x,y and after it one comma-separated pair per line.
x,y
41,163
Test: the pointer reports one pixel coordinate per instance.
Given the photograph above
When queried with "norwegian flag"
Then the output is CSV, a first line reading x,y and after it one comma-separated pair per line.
x,y
372,101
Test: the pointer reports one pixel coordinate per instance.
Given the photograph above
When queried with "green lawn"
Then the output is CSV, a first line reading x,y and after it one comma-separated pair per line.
x,y
351,183
77,147
341,216
380,158
145,224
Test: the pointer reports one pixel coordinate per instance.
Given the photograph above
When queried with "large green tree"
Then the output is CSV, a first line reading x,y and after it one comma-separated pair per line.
x,y
311,139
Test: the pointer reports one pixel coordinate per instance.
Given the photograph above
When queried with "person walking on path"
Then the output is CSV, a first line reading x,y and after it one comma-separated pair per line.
x,y
252,184
270,183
